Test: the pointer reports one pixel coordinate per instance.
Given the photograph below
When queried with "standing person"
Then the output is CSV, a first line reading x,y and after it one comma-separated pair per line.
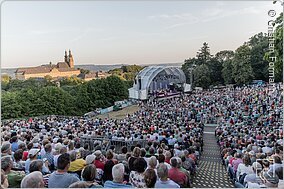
x,y
60,178
164,181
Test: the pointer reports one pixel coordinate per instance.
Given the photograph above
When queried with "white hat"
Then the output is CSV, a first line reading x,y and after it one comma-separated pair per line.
x,y
90,159
33,152
98,153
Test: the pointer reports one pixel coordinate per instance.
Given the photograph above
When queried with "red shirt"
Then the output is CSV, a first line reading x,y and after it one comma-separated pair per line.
x,y
99,164
231,160
25,155
177,176
167,161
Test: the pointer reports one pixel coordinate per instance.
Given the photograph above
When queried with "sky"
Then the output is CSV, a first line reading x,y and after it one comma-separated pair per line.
x,y
125,32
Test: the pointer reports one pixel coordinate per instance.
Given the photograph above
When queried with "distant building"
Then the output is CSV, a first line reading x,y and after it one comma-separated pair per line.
x,y
93,75
61,69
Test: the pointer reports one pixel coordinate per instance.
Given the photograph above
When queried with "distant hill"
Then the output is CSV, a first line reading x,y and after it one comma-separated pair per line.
x,y
92,67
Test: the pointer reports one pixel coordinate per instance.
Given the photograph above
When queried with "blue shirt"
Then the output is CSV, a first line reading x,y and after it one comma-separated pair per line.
x,y
166,184
14,146
111,184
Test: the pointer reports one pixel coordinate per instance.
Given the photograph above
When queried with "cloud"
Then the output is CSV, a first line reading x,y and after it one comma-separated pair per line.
x,y
219,11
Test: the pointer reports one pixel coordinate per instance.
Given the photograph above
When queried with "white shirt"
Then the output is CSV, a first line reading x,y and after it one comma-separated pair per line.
x,y
243,169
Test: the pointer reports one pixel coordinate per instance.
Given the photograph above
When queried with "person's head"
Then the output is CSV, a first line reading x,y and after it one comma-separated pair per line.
x,y
136,152
33,153
98,154
118,172
63,150
18,155
265,163
90,159
22,146
45,141
161,158
277,159
63,162
150,178
4,180
162,171
6,163
143,152
71,146
238,155
73,155
89,173
140,165
174,162
246,160
179,162
33,180
48,148
124,150
168,155
6,148
14,139
153,162
152,151
109,154
79,184
36,165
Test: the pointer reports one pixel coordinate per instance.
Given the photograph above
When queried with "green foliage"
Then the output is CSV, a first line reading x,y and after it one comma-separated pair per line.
x,y
73,80
279,49
202,76
242,69
35,98
126,72
227,71
204,53
259,46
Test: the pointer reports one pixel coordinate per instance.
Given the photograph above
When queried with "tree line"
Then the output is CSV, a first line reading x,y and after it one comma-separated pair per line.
x,y
35,97
248,62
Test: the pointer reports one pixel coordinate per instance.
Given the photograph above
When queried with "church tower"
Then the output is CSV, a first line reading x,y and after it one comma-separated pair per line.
x,y
65,57
71,61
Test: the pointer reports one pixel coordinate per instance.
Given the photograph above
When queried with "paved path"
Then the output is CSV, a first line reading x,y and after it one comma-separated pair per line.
x,y
211,173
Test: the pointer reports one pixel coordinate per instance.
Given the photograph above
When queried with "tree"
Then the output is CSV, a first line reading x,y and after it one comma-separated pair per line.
x,y
10,108
242,70
204,53
279,49
224,55
202,76
188,65
215,68
259,46
227,72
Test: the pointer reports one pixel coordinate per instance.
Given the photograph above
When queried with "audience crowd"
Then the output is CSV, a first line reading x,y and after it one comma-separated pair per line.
x,y
49,152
